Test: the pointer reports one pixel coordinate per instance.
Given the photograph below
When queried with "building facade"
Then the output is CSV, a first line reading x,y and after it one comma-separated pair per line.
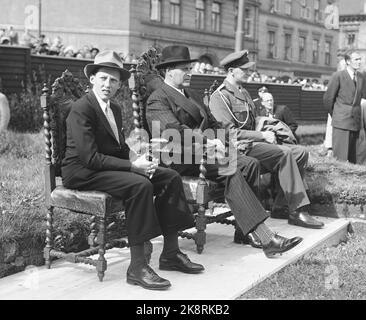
x,y
284,37
352,24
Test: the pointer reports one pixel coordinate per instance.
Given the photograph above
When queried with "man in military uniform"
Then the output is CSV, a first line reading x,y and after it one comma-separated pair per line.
x,y
232,105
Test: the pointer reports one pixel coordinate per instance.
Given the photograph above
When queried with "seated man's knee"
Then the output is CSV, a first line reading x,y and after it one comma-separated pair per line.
x,y
143,185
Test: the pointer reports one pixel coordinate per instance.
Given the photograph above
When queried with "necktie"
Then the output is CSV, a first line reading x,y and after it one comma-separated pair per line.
x,y
355,79
112,121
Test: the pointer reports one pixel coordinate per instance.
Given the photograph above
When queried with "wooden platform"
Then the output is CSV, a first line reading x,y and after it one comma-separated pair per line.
x,y
231,269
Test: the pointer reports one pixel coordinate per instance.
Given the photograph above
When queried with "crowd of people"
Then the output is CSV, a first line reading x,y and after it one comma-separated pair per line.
x,y
43,45
255,76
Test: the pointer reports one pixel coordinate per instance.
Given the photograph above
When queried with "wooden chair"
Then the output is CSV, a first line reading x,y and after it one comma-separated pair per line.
x,y
100,206
204,195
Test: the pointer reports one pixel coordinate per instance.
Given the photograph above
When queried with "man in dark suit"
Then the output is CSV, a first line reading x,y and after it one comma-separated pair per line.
x,y
343,99
98,158
232,105
176,108
280,111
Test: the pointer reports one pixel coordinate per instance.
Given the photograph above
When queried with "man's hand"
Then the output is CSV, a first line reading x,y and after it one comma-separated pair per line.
x,y
269,137
216,146
143,166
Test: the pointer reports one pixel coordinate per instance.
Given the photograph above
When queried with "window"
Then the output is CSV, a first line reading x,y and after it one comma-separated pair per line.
x,y
317,10
272,50
327,53
175,12
288,46
274,6
315,51
351,37
216,17
200,14
304,10
302,49
288,7
155,10
248,23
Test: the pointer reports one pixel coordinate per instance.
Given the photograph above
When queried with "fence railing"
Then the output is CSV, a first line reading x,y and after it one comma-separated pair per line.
x,y
17,63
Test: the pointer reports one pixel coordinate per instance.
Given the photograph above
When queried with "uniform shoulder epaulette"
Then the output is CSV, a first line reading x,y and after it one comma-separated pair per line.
x,y
220,87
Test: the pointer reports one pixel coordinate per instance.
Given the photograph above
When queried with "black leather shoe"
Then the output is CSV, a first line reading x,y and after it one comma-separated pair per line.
x,y
279,245
147,278
180,262
303,219
250,239
280,213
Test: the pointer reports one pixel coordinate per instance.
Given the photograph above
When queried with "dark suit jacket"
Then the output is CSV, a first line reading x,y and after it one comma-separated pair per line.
x,y
91,145
280,112
342,99
179,112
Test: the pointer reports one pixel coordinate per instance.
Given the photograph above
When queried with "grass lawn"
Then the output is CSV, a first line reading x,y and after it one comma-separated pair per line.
x,y
335,273
23,215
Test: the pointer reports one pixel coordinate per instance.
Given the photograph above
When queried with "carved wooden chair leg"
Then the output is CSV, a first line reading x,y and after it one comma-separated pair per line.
x,y
49,238
200,236
93,232
148,248
102,262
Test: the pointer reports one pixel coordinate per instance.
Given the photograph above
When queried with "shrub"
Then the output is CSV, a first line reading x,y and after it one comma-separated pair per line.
x,y
25,107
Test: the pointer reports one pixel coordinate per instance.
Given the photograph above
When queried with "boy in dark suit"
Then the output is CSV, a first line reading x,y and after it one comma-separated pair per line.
x,y
98,158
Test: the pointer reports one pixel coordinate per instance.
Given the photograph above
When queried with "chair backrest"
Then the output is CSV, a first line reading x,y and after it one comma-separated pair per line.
x,y
208,92
56,108
146,79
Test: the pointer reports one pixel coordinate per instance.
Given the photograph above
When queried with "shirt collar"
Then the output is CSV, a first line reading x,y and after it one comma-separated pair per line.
x,y
102,104
179,90
351,72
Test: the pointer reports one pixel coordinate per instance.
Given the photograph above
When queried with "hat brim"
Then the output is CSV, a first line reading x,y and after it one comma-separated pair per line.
x,y
247,65
173,63
89,68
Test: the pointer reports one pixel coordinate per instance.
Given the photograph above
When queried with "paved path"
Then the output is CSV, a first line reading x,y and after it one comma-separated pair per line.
x,y
231,269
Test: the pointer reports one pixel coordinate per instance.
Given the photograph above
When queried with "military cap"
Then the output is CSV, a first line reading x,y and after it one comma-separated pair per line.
x,y
237,60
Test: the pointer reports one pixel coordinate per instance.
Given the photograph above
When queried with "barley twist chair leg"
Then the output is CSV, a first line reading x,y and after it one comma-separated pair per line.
x,y
102,262
93,232
49,238
200,236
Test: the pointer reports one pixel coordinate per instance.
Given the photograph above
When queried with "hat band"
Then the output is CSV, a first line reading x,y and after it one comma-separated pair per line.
x,y
108,64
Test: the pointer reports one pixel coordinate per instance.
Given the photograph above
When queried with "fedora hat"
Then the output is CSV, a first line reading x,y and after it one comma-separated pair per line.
x,y
107,59
237,60
173,55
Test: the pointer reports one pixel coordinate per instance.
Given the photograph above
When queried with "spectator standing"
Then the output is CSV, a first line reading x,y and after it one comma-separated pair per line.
x,y
343,101
13,35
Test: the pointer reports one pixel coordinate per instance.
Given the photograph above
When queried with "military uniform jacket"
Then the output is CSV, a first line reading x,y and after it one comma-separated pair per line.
x,y
235,109
342,99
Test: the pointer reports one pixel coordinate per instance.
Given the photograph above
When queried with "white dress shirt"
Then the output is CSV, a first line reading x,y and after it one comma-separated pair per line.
x,y
105,106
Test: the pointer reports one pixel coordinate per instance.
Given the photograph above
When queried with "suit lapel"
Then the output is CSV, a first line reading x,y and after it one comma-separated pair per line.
x,y
101,116
183,102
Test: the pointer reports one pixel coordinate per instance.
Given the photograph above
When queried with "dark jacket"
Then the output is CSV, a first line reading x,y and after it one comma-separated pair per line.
x,y
342,100
280,112
91,145
175,111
